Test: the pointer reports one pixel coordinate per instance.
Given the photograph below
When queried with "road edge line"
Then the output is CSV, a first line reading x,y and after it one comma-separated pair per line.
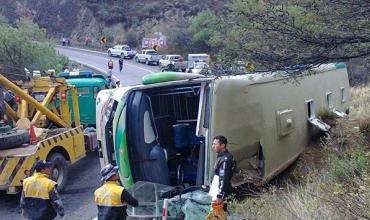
x,y
81,49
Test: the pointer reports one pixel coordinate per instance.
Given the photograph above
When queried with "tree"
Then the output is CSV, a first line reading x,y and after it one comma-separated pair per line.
x,y
26,46
177,38
295,34
204,30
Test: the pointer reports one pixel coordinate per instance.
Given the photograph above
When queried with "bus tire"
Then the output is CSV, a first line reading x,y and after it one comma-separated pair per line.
x,y
59,170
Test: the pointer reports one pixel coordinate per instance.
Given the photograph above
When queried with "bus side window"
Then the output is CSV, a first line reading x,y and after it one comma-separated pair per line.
x,y
342,95
329,100
310,109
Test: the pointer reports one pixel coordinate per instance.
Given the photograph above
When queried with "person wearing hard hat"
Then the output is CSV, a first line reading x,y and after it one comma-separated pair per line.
x,y
40,199
111,198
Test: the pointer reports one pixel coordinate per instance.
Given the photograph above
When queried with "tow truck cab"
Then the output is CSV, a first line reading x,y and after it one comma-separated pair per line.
x,y
88,85
162,131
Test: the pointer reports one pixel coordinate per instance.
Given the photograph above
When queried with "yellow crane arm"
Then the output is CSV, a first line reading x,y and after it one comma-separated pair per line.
x,y
44,103
11,112
4,81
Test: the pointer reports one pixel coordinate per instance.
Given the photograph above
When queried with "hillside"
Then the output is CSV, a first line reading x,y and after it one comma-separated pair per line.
x,y
128,21
121,19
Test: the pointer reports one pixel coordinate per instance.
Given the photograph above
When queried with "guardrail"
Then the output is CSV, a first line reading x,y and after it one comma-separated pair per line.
x,y
81,49
115,80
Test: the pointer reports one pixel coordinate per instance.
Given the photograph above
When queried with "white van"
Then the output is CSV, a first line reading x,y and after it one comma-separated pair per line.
x,y
193,58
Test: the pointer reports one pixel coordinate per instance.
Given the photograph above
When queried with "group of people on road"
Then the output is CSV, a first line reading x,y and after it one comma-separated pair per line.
x,y
40,199
120,64
110,68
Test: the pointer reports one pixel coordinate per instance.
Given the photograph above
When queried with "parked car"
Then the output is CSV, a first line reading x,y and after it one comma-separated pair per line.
x,y
148,56
173,62
121,50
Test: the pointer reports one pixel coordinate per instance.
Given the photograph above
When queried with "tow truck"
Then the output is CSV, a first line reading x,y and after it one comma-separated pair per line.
x,y
88,84
61,141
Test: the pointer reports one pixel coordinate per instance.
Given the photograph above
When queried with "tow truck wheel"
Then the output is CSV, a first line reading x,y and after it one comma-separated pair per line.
x,y
13,138
59,170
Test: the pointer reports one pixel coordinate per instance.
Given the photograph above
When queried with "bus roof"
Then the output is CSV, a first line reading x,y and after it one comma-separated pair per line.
x,y
87,82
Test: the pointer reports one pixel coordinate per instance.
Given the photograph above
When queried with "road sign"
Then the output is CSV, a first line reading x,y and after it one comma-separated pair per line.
x,y
103,40
150,42
156,48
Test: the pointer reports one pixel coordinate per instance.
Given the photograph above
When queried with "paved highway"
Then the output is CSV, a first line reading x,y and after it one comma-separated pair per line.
x,y
78,197
132,72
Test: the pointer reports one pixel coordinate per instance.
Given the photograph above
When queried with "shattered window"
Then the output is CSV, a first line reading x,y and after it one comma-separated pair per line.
x,y
191,204
150,197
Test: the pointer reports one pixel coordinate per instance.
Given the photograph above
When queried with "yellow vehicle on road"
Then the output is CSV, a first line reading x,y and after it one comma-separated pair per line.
x,y
62,143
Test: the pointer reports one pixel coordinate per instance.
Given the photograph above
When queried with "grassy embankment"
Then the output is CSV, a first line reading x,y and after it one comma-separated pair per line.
x,y
331,180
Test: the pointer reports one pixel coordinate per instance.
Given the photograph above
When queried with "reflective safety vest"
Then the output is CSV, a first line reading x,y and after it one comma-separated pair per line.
x,y
36,197
38,186
109,194
108,200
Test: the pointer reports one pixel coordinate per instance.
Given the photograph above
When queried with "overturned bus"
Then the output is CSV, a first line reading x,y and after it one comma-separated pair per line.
x,y
162,131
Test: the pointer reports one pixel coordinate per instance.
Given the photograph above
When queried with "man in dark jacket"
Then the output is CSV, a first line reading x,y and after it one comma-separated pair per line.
x,y
111,198
40,199
120,62
224,167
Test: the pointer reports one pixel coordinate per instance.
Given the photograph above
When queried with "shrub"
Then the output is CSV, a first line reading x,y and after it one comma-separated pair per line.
x,y
319,196
360,100
339,190
132,39
177,39
109,34
348,166
26,46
